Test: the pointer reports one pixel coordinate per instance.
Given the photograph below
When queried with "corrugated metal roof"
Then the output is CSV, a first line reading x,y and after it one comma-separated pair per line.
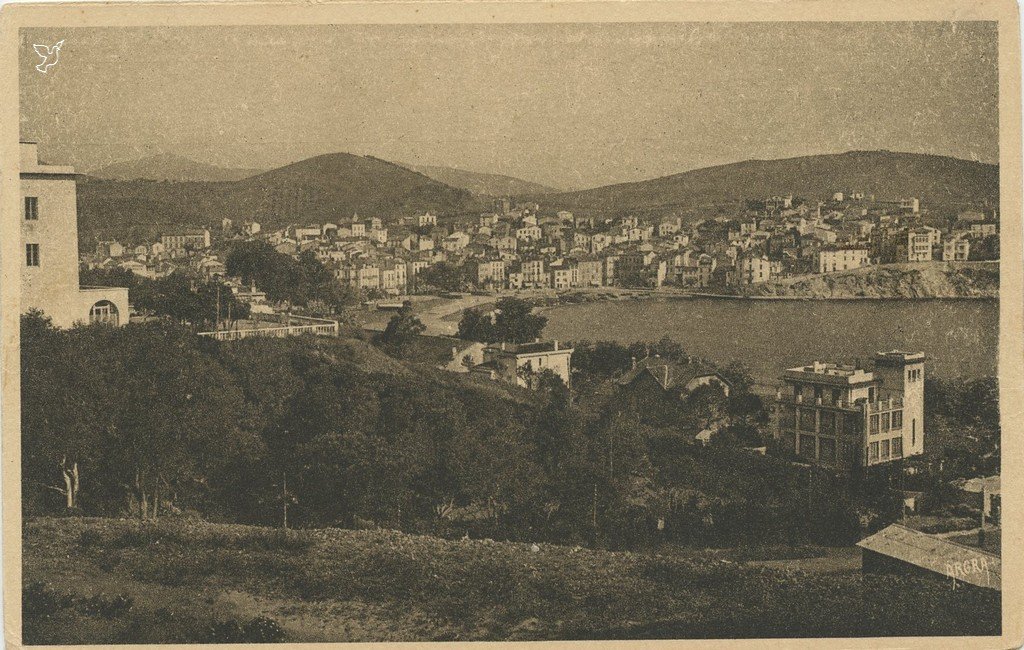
x,y
955,561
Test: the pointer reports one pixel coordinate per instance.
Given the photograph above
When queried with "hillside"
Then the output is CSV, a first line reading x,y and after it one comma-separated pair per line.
x,y
938,180
324,188
186,581
169,167
892,281
481,183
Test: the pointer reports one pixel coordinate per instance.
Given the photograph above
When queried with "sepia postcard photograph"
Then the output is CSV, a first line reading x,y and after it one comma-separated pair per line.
x,y
512,322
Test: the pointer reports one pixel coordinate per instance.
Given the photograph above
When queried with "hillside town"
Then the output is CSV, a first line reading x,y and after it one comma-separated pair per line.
x,y
520,246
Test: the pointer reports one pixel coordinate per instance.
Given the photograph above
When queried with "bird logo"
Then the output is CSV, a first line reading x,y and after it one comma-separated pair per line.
x,y
49,55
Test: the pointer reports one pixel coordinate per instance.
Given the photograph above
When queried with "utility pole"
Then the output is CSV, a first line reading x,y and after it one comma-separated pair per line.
x,y
284,498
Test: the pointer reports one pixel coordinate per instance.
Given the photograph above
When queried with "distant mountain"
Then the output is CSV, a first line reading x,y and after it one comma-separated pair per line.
x,y
170,167
481,183
937,180
320,189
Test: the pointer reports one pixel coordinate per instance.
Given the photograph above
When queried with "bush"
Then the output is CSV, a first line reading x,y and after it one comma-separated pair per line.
x,y
41,601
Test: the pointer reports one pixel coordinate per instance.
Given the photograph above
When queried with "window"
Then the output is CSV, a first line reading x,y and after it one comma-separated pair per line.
x,y
874,424
807,449
837,396
897,420
807,419
913,432
827,449
32,254
873,452
885,449
885,421
31,208
103,312
827,422
897,447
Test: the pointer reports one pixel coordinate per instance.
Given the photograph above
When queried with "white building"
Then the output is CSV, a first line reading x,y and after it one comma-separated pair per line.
x,y
831,260
521,363
49,235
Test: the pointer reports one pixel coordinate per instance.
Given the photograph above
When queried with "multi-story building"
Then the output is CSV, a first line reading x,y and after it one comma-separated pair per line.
x,y
520,364
195,239
49,236
847,417
753,269
529,232
426,220
534,274
843,258
984,229
564,275
359,275
957,249
486,273
918,247
590,272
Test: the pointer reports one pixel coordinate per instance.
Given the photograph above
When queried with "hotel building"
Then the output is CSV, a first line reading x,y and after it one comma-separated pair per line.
x,y
848,417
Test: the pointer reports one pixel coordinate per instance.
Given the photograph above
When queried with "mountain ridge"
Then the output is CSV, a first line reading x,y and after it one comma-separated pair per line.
x,y
484,183
888,174
168,167
335,186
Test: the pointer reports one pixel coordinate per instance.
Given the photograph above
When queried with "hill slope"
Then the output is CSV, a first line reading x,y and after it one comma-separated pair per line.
x,y
192,582
170,167
324,188
481,183
937,180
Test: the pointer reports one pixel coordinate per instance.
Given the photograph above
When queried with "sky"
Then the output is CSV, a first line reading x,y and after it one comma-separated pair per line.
x,y
567,105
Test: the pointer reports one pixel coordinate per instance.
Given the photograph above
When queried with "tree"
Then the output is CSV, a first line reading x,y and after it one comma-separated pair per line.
x,y
402,328
514,321
444,276
475,325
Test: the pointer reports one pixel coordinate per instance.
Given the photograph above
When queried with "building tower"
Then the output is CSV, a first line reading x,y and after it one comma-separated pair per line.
x,y
902,376
49,237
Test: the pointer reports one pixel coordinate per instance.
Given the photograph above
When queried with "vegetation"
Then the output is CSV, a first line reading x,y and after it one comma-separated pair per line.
x,y
188,581
182,297
513,322
326,188
444,276
949,183
303,282
402,330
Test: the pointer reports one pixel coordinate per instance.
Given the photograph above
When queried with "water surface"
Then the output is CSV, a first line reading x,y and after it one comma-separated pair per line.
x,y
960,337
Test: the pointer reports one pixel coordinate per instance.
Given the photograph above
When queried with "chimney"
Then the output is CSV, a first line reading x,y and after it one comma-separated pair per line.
x,y
556,346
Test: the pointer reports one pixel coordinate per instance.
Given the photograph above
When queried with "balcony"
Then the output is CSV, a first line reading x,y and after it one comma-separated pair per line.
x,y
886,405
799,400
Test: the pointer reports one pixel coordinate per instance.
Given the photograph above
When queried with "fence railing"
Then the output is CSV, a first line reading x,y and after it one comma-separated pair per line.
x,y
321,328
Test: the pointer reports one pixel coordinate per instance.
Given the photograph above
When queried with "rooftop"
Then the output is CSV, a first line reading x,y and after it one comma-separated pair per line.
x,y
955,561
668,372
830,373
537,347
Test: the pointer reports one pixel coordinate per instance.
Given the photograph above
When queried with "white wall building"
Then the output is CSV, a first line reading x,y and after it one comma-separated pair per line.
x,y
49,235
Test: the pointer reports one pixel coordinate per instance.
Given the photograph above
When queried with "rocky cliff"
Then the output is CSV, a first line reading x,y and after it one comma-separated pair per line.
x,y
924,280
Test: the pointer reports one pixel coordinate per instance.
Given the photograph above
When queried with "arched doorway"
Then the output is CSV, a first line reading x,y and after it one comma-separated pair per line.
x,y
104,312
